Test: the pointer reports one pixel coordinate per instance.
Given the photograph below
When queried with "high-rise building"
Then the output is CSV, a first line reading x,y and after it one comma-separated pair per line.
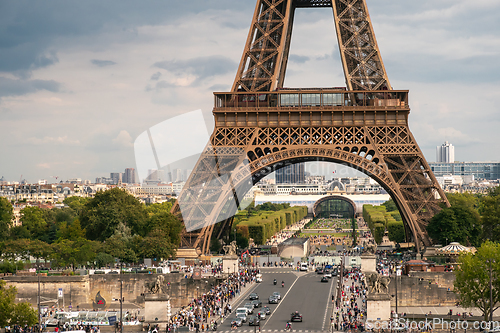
x,y
445,153
177,175
129,176
117,177
291,174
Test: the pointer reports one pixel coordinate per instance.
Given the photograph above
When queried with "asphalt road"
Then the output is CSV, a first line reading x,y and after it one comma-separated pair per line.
x,y
303,292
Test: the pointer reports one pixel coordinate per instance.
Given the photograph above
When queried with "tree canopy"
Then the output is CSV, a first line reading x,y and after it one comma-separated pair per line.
x,y
101,215
473,278
12,313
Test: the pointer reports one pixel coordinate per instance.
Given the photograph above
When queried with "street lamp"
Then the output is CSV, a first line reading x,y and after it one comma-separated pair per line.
x,y
234,268
38,298
197,293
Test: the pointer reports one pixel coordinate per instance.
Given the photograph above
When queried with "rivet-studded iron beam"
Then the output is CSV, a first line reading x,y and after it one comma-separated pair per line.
x,y
261,127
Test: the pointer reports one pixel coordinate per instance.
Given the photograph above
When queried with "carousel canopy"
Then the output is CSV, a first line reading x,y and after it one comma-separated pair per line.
x,y
455,248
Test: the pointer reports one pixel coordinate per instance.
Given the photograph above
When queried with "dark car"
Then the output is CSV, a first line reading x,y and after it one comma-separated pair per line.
x,y
319,271
296,316
266,310
324,279
335,272
253,296
273,299
257,303
254,321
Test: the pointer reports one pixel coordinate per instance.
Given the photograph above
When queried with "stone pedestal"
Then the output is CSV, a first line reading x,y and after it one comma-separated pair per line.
x,y
378,307
157,309
368,263
230,264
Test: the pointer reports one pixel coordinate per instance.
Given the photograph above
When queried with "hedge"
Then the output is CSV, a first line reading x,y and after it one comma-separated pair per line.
x,y
265,224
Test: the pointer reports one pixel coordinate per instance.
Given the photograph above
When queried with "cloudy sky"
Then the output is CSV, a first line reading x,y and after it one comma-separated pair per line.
x,y
81,80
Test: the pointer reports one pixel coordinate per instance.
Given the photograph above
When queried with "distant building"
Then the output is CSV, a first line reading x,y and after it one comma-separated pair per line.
x,y
445,153
130,176
116,177
291,174
480,170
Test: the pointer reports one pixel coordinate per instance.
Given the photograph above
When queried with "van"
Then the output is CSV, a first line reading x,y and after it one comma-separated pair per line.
x,y
242,310
303,267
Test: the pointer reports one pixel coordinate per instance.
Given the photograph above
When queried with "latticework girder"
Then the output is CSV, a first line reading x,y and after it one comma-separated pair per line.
x,y
260,128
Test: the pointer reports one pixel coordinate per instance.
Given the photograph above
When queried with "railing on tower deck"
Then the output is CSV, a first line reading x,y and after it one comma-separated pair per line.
x,y
312,98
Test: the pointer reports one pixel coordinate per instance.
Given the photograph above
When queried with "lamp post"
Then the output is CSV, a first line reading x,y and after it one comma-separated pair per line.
x,y
234,268
38,298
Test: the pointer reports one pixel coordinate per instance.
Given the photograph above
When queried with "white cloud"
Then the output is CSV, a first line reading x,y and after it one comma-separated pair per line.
x,y
123,139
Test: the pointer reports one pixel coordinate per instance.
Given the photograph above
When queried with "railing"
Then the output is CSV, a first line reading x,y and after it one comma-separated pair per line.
x,y
322,98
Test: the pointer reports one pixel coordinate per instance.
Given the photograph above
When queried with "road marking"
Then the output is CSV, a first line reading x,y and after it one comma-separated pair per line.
x,y
328,306
281,300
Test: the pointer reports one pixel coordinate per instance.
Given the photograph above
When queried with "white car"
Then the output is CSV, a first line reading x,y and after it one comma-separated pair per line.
x,y
258,278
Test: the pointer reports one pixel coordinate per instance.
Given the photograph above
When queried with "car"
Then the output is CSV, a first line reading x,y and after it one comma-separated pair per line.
x,y
296,316
261,314
242,310
328,274
324,279
242,316
335,272
273,299
257,303
266,310
258,278
238,322
277,294
253,296
253,321
319,271
249,306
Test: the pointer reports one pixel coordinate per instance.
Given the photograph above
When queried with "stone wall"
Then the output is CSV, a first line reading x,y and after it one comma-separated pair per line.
x,y
424,289
80,291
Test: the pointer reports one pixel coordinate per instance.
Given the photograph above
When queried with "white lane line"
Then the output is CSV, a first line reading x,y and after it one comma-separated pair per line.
x,y
327,305
281,300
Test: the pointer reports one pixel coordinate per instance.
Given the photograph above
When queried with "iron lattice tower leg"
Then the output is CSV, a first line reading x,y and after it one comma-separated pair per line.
x,y
260,128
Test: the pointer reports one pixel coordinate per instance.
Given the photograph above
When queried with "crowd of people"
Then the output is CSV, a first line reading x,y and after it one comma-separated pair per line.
x,y
201,314
351,307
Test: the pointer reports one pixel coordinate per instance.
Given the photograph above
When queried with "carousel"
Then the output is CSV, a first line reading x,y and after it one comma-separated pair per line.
x,y
453,250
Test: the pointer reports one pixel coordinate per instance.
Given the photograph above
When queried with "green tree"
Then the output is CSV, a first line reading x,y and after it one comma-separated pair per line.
x,y
102,214
33,219
12,313
459,223
23,314
73,231
473,278
6,216
103,259
157,245
168,224
77,204
490,215
157,208
7,297
390,205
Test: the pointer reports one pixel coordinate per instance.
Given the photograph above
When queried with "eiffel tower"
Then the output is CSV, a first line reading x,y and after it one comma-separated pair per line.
x,y
260,126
